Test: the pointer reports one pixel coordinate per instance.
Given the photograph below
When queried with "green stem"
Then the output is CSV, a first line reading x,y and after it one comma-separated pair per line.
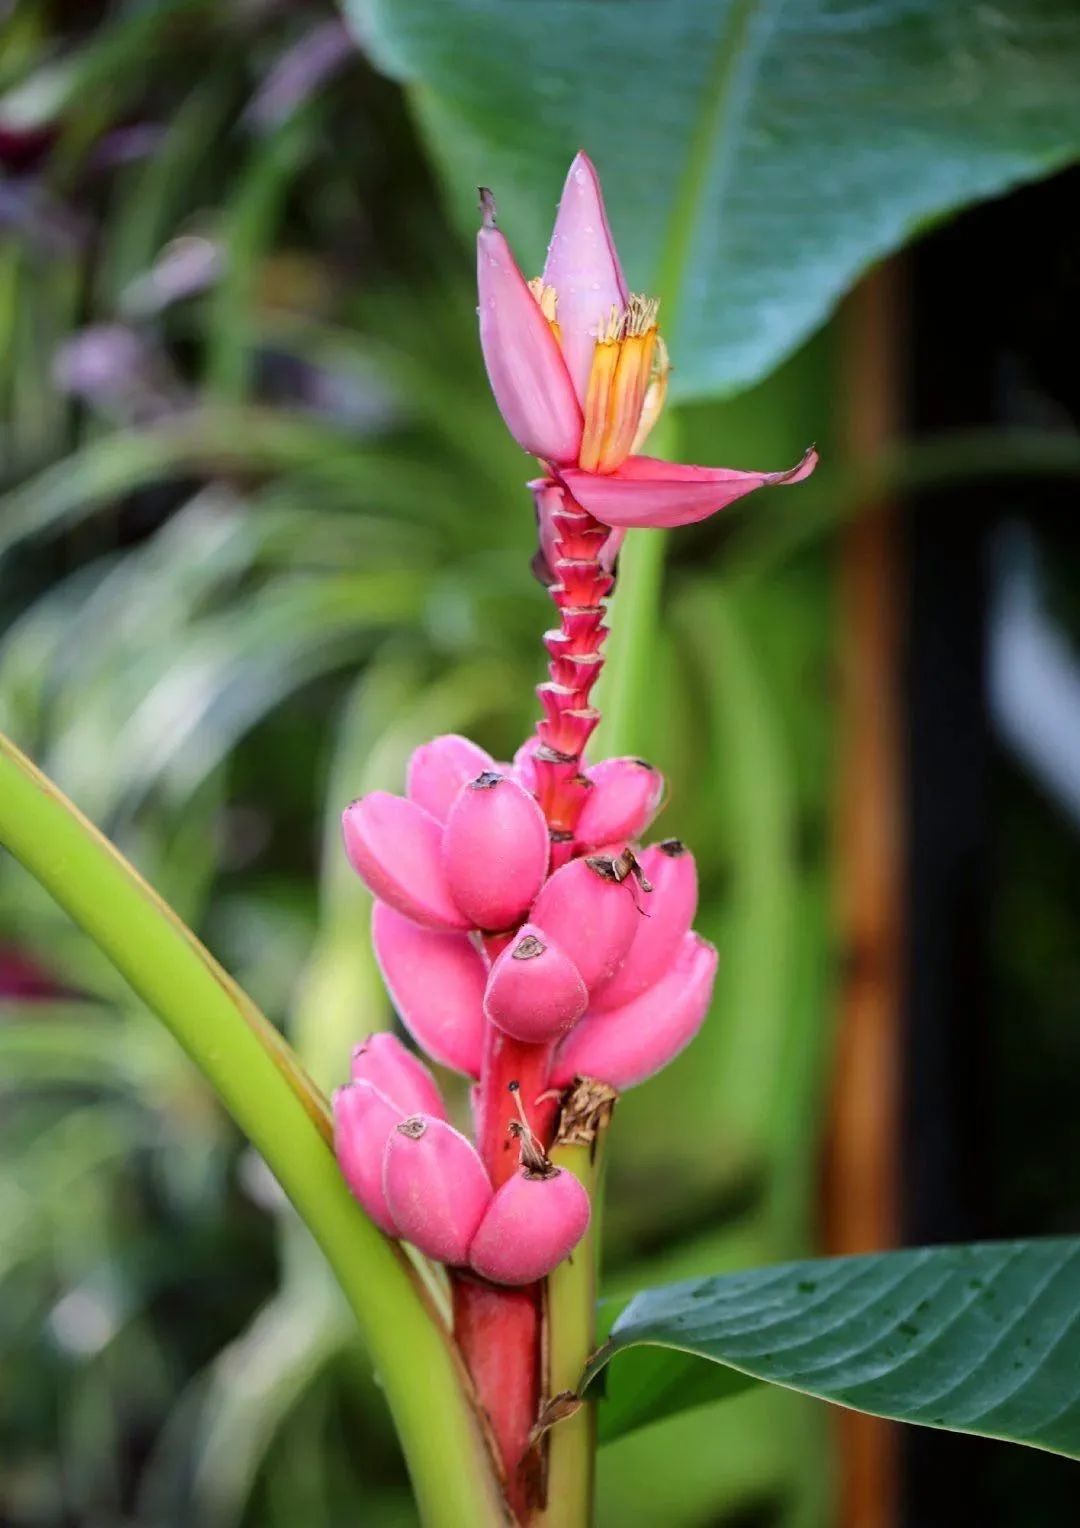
x,y
285,1117
571,1313
634,618
571,1317
635,612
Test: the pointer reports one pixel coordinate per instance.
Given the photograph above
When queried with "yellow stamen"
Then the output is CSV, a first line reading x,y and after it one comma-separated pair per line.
x,y
627,397
546,296
604,365
620,376
655,394
611,329
640,315
548,300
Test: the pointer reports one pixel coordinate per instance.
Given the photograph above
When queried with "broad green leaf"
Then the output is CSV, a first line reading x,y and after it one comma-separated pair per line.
x,y
757,155
651,1382
978,1339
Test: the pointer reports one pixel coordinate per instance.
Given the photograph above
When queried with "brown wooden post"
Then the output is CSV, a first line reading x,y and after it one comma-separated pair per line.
x,y
861,1194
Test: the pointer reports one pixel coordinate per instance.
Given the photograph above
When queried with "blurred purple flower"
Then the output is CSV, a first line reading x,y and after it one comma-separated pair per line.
x,y
127,145
47,224
110,367
298,73
185,266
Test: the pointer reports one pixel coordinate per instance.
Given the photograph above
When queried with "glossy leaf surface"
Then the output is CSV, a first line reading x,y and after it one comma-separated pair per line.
x,y
978,1339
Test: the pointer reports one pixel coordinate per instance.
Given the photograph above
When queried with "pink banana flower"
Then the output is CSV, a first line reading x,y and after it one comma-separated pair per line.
x,y
579,371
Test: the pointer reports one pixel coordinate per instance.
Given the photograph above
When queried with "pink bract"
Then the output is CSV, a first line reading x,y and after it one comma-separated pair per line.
x,y
524,363
648,492
583,267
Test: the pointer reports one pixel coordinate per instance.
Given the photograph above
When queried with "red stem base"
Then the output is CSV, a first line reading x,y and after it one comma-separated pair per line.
x,y
498,1331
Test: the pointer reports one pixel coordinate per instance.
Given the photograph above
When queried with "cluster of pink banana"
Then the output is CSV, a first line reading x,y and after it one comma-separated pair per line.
x,y
419,1178
593,963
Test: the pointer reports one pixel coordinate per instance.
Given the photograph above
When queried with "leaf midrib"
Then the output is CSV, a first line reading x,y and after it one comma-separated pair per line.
x,y
731,66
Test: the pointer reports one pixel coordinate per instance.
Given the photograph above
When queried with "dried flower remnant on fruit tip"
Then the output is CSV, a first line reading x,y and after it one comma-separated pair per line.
x,y
535,1163
618,867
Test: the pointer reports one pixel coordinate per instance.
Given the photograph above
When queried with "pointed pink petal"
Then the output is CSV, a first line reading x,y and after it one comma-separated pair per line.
x,y
524,363
583,267
647,492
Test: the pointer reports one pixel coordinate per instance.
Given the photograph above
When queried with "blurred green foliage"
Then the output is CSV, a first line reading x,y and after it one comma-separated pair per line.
x,y
221,505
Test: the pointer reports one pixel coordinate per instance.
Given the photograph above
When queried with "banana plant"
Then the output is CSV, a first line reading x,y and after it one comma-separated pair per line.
x,y
529,942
